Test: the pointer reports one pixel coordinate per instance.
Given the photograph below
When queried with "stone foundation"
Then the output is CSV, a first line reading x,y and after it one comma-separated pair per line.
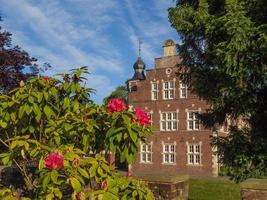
x,y
166,186
254,189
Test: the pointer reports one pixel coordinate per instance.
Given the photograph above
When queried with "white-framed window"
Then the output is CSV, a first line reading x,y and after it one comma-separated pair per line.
x,y
150,114
168,121
183,90
146,153
193,154
193,122
168,89
169,153
154,90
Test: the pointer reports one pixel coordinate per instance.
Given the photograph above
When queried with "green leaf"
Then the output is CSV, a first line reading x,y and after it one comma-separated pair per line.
x,y
83,172
36,109
50,196
41,163
132,135
21,111
3,124
48,112
46,96
54,176
76,185
66,103
46,180
31,129
40,97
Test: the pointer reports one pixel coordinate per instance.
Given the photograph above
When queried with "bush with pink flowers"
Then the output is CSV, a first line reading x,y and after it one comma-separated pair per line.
x,y
58,141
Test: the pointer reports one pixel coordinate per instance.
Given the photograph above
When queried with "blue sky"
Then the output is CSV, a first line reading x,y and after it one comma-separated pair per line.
x,y
101,34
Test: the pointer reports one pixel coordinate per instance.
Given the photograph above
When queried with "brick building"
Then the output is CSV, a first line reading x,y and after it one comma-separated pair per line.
x,y
180,143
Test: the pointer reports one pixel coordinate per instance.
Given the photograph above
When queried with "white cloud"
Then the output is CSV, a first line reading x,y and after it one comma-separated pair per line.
x,y
68,33
60,34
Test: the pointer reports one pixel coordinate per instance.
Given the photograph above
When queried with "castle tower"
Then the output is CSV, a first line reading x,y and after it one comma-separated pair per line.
x,y
139,70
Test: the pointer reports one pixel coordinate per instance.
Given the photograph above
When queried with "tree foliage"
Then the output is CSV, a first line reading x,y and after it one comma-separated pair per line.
x,y
224,45
15,63
119,92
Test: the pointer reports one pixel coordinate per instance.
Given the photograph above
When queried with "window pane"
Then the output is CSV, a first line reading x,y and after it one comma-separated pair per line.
x,y
197,149
143,147
163,125
166,158
144,157
174,116
169,125
172,158
149,148
166,94
191,148
196,115
197,159
183,92
154,86
174,125
171,94
171,84
149,157
166,148
196,124
163,116
169,116
172,148
166,85
155,95
190,125
190,115
191,159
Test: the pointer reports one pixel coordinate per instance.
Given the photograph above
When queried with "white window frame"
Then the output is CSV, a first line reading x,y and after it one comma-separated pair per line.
x,y
193,120
183,87
169,122
150,116
168,88
154,90
194,154
169,153
145,152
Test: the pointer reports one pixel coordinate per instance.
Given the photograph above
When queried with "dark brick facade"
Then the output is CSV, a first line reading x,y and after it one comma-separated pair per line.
x,y
140,95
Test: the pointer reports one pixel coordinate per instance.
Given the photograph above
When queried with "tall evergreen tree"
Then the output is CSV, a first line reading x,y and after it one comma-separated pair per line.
x,y
224,45
15,63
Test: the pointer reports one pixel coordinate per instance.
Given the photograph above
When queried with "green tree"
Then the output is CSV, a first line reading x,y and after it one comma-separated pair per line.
x,y
224,45
120,92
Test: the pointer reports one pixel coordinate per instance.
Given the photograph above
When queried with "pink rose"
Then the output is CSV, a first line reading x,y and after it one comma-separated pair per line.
x,y
141,117
54,161
116,105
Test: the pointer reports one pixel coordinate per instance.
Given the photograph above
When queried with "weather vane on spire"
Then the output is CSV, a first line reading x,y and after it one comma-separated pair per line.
x,y
139,43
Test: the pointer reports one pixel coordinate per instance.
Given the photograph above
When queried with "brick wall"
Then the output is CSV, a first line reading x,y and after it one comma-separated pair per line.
x,y
141,97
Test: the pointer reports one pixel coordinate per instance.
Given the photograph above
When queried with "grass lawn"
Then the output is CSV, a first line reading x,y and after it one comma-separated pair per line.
x,y
213,189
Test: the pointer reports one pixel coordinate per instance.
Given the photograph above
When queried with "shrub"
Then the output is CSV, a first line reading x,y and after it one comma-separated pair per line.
x,y
52,125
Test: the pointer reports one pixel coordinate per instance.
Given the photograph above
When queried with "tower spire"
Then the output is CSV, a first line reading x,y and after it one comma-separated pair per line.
x,y
139,48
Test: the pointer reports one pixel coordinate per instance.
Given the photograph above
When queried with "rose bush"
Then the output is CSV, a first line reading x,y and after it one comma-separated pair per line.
x,y
59,140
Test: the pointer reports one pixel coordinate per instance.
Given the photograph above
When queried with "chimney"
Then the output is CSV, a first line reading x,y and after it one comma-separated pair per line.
x,y
169,48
